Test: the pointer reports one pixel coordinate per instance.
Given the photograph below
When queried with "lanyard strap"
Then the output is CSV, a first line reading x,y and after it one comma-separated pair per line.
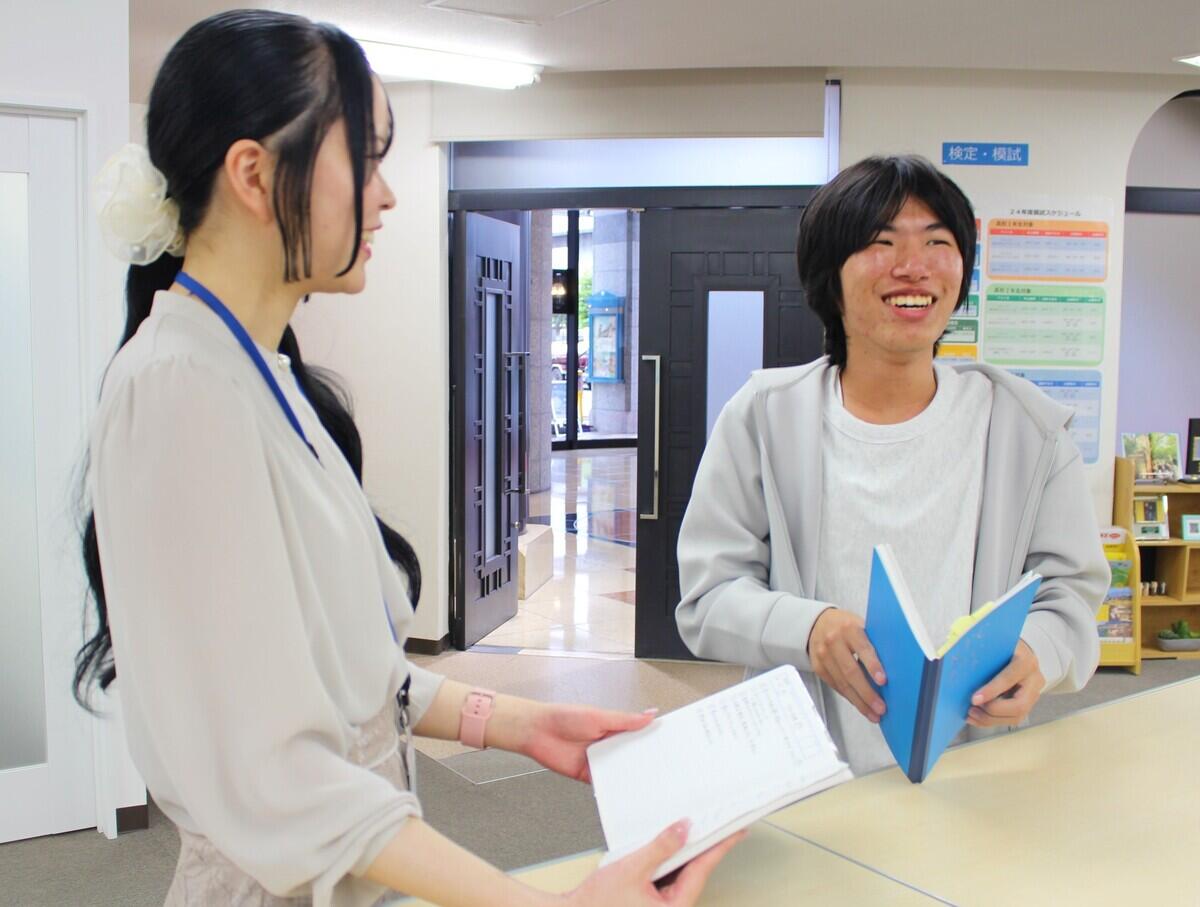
x,y
205,295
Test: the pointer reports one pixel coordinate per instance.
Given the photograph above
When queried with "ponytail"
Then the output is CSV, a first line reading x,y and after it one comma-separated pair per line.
x,y
332,404
94,660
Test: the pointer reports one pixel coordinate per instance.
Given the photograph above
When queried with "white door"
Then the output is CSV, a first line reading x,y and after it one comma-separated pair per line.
x,y
47,780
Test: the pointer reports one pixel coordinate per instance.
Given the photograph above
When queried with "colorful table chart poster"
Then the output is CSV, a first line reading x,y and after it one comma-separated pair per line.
x,y
1033,324
960,342
1047,248
978,268
961,330
1033,250
1080,390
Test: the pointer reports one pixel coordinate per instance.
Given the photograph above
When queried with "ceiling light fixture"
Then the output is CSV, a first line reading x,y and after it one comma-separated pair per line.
x,y
397,63
1190,61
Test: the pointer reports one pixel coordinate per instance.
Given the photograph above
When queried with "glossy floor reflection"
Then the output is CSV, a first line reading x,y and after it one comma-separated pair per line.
x,y
587,607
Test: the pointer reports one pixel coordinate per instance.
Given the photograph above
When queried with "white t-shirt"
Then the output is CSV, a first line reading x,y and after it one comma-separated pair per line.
x,y
915,486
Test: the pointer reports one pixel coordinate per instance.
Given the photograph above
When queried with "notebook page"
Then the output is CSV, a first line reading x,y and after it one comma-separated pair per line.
x,y
735,755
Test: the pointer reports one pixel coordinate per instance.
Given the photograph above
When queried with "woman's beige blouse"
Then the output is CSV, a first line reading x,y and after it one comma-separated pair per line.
x,y
246,584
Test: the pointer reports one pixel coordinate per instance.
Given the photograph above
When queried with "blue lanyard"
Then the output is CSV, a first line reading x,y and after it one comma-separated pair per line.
x,y
209,298
205,295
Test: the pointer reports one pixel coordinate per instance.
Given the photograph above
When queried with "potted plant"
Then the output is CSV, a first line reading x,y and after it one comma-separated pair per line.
x,y
1179,637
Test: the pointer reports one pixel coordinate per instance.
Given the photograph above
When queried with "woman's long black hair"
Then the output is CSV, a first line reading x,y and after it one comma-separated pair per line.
x,y
284,81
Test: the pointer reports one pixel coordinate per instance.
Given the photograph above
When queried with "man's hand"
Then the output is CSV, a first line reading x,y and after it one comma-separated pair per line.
x,y
1011,695
837,646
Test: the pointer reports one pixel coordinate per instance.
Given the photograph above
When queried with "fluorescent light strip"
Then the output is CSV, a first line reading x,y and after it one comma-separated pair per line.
x,y
395,62
1190,61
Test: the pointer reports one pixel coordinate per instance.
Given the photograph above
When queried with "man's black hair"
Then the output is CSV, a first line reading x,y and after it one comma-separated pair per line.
x,y
848,212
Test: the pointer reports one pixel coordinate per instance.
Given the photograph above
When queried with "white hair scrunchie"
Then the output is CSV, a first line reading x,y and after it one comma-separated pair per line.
x,y
137,219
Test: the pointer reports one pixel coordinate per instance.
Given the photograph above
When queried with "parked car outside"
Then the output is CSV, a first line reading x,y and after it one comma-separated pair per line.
x,y
558,359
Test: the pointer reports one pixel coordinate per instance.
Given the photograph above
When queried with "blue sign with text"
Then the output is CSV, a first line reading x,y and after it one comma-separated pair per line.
x,y
986,154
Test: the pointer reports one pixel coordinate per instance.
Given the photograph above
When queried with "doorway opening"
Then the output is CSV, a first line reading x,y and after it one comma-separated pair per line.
x,y
576,588
658,306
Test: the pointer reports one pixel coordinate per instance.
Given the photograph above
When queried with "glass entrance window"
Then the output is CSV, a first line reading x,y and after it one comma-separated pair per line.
x,y
558,377
602,257
735,345
585,424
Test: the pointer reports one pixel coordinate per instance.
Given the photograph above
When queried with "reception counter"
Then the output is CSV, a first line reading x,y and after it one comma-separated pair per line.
x,y
1100,807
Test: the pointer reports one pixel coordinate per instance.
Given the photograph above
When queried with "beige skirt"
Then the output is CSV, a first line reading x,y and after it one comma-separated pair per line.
x,y
204,876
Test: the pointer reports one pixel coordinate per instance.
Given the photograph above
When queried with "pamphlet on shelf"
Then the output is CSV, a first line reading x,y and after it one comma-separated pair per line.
x,y
1155,456
723,762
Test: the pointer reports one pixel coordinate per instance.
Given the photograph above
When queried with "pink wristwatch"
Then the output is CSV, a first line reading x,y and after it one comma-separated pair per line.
x,y
475,714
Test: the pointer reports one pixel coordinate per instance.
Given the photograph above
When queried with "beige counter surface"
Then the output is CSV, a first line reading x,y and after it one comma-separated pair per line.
x,y
1100,807
768,869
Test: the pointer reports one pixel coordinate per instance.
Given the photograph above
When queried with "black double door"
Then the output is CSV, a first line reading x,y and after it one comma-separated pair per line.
x,y
488,363
695,264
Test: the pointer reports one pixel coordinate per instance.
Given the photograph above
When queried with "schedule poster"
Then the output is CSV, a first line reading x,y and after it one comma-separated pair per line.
x,y
1041,324
1048,248
960,343
1080,390
1043,291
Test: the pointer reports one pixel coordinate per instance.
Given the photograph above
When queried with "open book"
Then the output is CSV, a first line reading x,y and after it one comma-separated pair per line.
x,y
928,690
724,762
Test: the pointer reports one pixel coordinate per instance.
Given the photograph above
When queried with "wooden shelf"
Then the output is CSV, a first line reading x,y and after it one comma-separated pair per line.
x,y
1155,652
1169,601
1174,560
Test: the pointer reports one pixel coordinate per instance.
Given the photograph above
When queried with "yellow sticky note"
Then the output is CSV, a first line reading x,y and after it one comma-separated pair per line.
x,y
963,624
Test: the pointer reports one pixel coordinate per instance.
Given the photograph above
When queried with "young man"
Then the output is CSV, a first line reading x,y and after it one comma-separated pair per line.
x,y
967,472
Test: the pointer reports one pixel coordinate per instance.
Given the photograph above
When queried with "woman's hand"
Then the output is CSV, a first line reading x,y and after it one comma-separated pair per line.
x,y
628,881
558,736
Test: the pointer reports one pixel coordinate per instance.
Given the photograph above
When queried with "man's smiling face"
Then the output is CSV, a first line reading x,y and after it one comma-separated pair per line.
x,y
899,292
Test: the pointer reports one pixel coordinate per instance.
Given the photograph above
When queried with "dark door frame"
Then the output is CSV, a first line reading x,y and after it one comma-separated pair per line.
x,y
631,197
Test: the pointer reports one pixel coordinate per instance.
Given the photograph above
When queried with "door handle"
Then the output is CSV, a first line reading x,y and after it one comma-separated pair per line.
x,y
657,360
523,422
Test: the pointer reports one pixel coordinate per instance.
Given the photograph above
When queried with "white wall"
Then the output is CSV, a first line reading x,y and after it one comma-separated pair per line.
x,y
137,123
74,54
84,66
1081,129
1160,322
391,346
1167,152
597,163
1160,326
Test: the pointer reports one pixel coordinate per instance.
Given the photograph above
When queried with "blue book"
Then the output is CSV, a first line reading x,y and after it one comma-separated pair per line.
x,y
928,690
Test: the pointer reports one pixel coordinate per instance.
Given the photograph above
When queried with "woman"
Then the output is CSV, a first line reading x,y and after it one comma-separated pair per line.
x,y
245,590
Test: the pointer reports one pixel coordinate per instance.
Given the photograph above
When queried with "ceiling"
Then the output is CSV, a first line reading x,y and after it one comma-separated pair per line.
x,y
1083,35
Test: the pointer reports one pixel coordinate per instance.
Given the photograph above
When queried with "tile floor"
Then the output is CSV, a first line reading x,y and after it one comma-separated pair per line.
x,y
587,607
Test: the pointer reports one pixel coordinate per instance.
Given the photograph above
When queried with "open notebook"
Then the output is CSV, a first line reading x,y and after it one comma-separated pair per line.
x,y
723,762
928,690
